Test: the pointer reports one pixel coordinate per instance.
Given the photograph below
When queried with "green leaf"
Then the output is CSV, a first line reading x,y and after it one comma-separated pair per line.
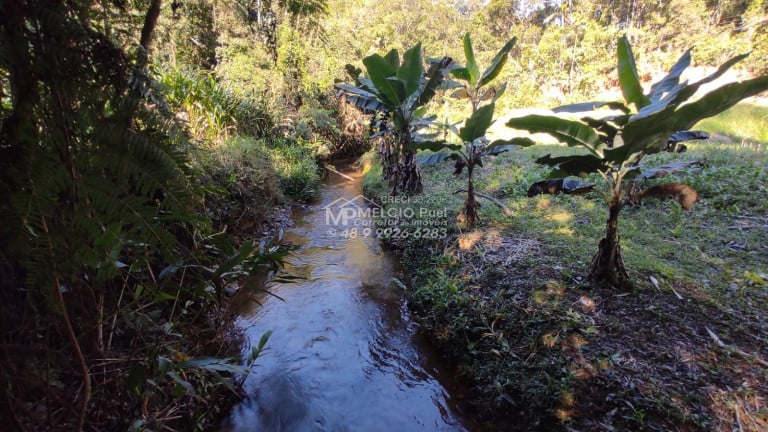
x,y
462,73
214,364
380,72
361,98
476,126
393,58
366,104
245,251
472,68
354,90
497,64
578,165
353,71
649,134
411,70
499,149
518,142
672,79
669,100
718,101
434,77
571,132
264,339
399,88
628,79
687,91
590,106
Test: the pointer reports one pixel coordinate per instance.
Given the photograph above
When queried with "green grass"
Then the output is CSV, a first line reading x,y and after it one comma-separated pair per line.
x,y
506,300
286,165
744,121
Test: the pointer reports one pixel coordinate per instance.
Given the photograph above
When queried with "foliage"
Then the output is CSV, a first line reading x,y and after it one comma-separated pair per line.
x,y
474,145
194,34
398,92
109,266
211,110
616,143
259,173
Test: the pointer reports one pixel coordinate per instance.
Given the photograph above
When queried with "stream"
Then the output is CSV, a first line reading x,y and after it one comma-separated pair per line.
x,y
344,354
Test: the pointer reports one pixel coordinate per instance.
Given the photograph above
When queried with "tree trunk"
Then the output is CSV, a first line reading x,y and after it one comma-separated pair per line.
x,y
150,22
408,174
468,213
607,266
388,159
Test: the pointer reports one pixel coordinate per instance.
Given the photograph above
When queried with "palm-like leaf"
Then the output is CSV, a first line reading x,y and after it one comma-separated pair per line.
x,y
473,70
411,70
380,72
628,79
476,126
497,64
671,80
433,78
571,132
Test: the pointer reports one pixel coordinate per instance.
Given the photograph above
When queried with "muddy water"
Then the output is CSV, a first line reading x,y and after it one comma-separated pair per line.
x,y
343,354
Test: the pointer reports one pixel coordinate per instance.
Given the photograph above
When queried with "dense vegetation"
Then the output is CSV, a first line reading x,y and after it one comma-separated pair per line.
x,y
146,144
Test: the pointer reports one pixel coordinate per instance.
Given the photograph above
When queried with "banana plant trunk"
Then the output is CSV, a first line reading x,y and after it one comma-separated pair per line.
x,y
469,212
389,158
607,265
408,174
405,176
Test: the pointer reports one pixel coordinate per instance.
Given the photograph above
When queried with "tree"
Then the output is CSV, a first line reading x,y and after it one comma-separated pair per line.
x,y
616,143
398,92
474,87
267,16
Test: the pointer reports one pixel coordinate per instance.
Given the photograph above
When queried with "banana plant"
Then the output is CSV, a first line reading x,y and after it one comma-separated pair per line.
x,y
616,143
469,154
397,91
474,87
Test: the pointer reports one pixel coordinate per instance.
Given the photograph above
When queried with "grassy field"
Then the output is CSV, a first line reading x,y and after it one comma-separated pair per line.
x,y
509,302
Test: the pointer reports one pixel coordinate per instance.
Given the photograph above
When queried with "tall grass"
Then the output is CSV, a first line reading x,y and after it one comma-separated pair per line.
x,y
212,111
281,166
